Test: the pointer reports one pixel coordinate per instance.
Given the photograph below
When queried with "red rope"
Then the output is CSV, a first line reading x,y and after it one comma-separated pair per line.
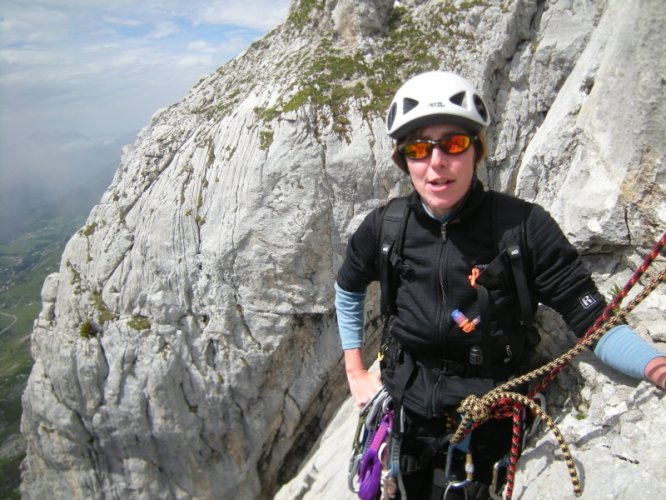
x,y
514,453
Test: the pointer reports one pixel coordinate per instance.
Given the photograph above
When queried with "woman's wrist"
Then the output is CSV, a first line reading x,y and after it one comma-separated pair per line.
x,y
354,362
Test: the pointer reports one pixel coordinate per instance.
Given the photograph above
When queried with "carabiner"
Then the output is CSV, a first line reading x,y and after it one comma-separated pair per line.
x,y
536,424
358,440
373,408
354,466
453,485
502,463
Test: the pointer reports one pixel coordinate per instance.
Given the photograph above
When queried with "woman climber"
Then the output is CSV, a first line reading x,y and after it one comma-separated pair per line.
x,y
457,293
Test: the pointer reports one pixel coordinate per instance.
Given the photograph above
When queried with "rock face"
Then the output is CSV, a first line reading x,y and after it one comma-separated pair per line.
x,y
187,348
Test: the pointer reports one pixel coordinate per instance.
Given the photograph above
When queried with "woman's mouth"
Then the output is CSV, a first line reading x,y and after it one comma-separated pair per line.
x,y
439,183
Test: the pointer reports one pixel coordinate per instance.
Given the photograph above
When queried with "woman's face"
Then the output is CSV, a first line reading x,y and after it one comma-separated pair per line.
x,y
442,180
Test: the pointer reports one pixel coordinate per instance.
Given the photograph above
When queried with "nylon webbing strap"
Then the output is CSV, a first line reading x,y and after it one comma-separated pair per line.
x,y
404,373
486,343
390,247
518,269
509,213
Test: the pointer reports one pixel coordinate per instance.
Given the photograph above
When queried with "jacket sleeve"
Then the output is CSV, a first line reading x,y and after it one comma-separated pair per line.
x,y
361,266
560,278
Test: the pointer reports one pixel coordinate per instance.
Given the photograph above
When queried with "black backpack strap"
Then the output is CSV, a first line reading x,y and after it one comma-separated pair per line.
x,y
510,214
390,249
484,362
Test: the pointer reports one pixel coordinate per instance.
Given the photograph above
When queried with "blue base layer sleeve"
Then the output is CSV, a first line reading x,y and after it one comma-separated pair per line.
x,y
622,349
349,308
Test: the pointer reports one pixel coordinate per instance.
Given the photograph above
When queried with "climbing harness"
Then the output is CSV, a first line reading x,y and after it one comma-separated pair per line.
x,y
374,467
498,402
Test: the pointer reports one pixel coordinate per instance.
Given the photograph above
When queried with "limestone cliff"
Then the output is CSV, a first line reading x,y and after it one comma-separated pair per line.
x,y
187,347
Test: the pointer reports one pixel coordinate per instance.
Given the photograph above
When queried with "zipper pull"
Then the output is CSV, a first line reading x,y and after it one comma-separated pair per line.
x,y
443,232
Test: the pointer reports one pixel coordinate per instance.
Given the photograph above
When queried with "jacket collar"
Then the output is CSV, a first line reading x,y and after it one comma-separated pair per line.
x,y
470,204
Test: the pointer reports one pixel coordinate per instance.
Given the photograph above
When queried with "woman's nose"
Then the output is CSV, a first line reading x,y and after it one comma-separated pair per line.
x,y
437,157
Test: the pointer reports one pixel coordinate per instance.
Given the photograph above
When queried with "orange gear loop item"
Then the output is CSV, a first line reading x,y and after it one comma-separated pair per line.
x,y
474,276
466,325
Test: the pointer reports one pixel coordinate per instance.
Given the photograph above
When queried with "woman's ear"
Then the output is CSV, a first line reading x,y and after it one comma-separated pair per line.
x,y
399,159
480,149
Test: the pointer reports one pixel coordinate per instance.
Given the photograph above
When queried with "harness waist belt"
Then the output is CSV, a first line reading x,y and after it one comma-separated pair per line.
x,y
446,366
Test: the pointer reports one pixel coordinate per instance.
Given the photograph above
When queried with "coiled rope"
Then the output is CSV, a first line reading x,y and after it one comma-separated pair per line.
x,y
501,402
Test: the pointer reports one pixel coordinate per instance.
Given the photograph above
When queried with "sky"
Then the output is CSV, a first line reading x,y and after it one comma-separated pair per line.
x,y
104,67
77,75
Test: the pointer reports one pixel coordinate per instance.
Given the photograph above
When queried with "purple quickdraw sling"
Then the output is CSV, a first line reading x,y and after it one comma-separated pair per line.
x,y
370,472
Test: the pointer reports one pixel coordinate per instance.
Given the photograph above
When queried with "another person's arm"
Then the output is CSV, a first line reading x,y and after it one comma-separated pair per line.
x,y
628,353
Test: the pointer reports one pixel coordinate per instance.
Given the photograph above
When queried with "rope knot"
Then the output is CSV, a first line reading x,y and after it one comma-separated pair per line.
x,y
475,408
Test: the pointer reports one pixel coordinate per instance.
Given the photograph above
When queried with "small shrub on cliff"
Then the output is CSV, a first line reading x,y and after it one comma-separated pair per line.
x,y
89,229
265,140
104,313
87,329
139,323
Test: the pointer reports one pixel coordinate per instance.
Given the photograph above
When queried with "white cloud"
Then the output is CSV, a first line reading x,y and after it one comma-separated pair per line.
x,y
194,61
100,48
257,14
73,64
132,23
200,45
104,67
163,29
37,25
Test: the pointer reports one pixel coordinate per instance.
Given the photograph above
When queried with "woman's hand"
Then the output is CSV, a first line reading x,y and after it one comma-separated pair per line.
x,y
362,383
655,371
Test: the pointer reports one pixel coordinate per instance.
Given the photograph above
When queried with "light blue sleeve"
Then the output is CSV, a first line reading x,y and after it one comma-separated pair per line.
x,y
625,351
350,307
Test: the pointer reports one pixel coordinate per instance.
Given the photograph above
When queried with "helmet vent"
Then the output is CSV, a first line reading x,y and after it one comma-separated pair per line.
x,y
408,104
391,115
458,99
480,107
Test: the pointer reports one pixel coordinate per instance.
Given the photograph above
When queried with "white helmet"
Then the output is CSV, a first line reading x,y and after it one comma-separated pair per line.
x,y
435,97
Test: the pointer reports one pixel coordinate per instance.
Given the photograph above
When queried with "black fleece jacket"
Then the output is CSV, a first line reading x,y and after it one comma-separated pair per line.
x,y
441,257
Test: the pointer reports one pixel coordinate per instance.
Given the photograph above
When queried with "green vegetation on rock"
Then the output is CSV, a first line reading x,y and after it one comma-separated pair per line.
x,y
333,79
87,329
300,16
89,229
104,314
265,139
139,323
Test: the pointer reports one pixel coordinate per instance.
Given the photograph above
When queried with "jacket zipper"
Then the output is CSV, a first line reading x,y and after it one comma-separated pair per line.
x,y
442,281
